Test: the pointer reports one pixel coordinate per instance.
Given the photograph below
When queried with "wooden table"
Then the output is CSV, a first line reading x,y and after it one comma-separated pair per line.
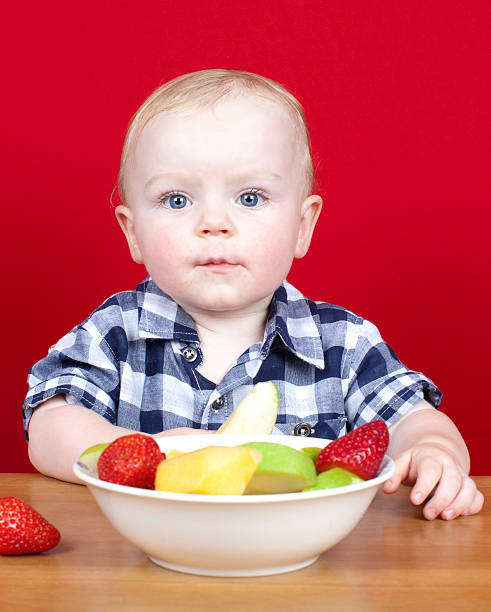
x,y
393,560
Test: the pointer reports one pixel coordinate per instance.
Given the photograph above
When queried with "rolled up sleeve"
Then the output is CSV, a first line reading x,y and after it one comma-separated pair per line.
x,y
380,386
81,365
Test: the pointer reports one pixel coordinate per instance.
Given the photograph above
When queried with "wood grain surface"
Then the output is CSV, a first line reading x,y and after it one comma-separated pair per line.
x,y
394,560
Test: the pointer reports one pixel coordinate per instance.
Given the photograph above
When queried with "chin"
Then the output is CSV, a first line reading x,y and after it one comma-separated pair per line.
x,y
223,301
222,304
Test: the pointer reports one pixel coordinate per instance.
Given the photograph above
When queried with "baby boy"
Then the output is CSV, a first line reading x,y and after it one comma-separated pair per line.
x,y
216,185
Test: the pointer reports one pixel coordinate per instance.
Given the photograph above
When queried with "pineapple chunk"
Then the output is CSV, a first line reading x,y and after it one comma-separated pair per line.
x,y
213,470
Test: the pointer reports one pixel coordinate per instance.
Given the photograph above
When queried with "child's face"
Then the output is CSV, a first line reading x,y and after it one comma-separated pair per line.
x,y
216,211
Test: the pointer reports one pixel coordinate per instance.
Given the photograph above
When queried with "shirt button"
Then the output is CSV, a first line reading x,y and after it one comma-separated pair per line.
x,y
189,353
218,403
302,429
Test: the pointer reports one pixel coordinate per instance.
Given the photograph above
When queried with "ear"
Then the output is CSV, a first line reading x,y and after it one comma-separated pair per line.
x,y
309,213
124,215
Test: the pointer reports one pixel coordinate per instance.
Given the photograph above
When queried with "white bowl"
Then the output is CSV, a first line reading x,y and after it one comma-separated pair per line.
x,y
234,535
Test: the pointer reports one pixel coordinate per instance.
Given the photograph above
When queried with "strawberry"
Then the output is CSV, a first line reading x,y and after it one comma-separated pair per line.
x,y
360,451
131,460
23,530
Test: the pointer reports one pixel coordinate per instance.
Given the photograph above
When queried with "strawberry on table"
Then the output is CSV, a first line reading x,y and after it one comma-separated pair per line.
x,y
131,460
360,451
23,530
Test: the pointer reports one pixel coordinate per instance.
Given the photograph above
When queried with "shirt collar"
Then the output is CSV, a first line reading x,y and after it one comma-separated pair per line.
x,y
293,319
161,317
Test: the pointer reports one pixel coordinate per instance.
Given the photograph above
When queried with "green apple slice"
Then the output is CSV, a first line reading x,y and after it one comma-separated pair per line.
x,y
90,456
283,469
312,451
256,413
335,477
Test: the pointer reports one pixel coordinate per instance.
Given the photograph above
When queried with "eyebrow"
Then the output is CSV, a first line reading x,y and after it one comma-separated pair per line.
x,y
165,175
256,175
248,176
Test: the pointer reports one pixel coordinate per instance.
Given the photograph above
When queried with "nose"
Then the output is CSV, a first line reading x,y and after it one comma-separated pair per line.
x,y
214,220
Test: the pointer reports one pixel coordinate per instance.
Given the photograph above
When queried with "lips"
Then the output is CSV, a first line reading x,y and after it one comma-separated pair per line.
x,y
218,264
215,260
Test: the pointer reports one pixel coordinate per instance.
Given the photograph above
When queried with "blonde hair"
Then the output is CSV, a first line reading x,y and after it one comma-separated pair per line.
x,y
203,89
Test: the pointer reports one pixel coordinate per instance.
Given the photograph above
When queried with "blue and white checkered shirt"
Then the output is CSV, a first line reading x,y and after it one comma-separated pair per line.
x,y
134,361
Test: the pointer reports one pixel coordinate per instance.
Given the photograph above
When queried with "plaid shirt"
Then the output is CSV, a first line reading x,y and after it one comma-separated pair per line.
x,y
134,361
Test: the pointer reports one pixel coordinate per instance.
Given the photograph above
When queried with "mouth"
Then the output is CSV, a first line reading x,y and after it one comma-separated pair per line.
x,y
218,265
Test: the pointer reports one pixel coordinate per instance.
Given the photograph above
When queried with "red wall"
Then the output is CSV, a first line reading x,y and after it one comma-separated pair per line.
x,y
397,96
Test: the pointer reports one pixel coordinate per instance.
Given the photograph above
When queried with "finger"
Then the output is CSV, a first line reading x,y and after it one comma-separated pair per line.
x,y
476,505
401,471
461,501
429,475
450,484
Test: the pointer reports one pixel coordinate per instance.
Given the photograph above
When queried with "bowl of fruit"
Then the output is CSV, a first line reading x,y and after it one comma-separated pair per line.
x,y
241,502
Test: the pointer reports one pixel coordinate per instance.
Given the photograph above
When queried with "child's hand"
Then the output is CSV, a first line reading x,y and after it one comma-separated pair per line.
x,y
183,431
431,468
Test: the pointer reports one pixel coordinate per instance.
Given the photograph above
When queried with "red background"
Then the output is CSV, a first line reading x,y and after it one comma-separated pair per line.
x,y
397,96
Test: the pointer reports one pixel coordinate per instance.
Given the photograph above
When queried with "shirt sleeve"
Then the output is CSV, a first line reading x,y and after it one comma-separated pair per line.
x,y
379,385
81,365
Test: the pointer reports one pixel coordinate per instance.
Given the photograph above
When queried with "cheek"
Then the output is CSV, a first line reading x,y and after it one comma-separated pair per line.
x,y
273,250
157,239
276,238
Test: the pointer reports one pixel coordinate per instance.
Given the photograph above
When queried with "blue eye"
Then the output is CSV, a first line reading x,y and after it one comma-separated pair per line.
x,y
176,201
251,199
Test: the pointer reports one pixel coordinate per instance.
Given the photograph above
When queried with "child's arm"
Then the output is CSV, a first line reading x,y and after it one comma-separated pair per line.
x,y
430,454
60,432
